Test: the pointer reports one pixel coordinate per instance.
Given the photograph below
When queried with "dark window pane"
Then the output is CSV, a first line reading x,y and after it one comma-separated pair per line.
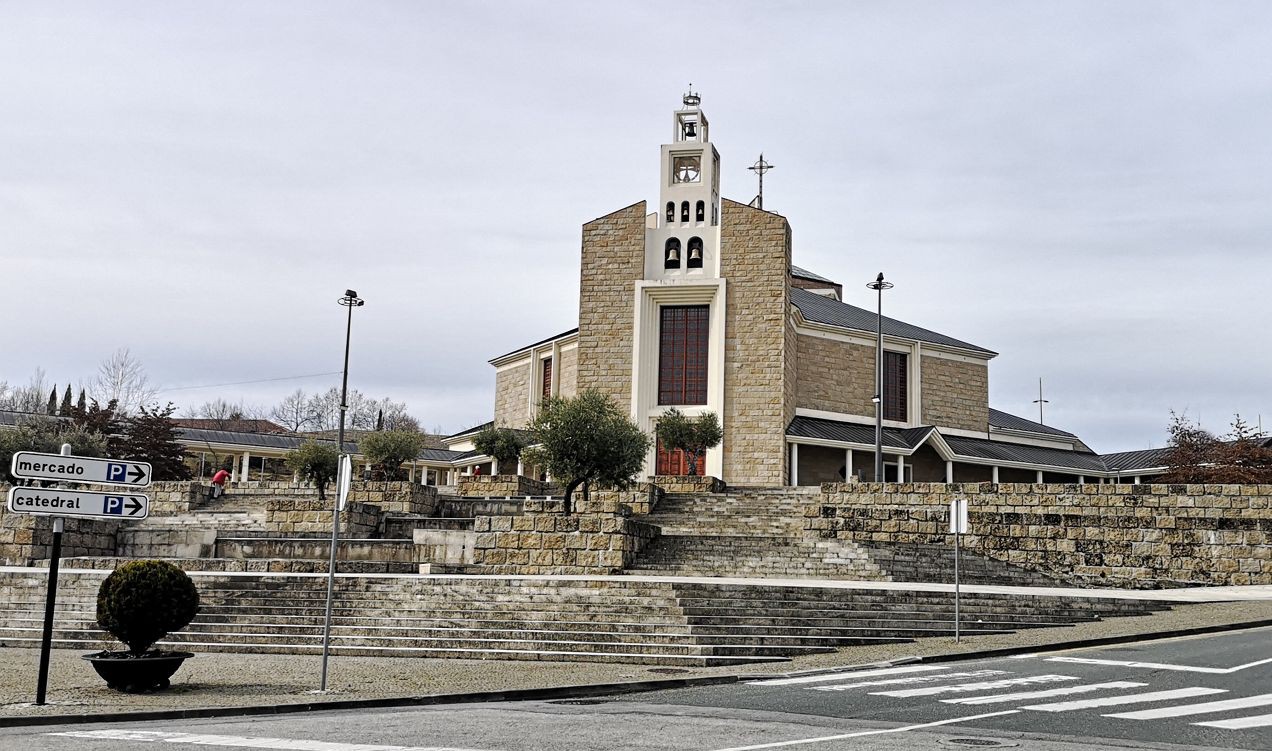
x,y
895,393
682,354
547,378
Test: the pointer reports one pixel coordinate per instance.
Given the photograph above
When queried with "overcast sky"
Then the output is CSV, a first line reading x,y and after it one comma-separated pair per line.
x,y
1085,188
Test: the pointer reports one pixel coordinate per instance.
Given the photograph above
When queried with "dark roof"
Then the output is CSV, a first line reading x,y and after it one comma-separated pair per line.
x,y
264,440
574,330
851,432
440,455
14,419
979,448
1000,419
1128,461
474,429
822,309
806,274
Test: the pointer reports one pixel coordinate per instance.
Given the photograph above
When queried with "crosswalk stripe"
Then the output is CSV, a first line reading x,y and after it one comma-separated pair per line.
x,y
961,688
235,741
1046,693
1111,701
848,676
1241,723
1261,700
911,680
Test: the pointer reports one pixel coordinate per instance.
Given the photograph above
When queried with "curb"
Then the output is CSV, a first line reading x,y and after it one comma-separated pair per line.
x,y
526,694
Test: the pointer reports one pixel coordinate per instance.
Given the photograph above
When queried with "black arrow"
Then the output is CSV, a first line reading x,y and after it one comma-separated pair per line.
x,y
137,474
134,505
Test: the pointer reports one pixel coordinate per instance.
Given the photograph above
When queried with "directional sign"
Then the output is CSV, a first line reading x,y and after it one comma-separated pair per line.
x,y
36,466
57,502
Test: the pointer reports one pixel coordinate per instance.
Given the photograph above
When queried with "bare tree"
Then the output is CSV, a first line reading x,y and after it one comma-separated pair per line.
x,y
29,398
293,412
123,379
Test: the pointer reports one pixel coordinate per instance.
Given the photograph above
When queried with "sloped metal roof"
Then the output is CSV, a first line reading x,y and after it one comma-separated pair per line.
x,y
1000,419
822,309
806,274
850,432
1128,461
979,448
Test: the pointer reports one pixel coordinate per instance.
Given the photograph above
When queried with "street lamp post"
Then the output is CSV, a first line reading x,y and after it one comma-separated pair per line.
x,y
879,285
350,301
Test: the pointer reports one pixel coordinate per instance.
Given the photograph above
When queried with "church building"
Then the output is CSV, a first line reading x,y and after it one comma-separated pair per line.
x,y
695,303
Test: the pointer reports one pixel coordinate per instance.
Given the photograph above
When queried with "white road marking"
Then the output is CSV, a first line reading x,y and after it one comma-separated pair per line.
x,y
1241,723
1262,700
962,688
912,679
1111,701
847,676
823,739
1046,693
234,741
1159,665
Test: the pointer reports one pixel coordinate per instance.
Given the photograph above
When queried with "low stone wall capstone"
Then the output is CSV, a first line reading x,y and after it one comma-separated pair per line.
x,y
1132,536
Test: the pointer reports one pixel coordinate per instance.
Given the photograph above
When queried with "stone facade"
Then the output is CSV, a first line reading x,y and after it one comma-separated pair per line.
x,y
955,394
613,260
1132,536
835,376
545,541
755,255
568,373
500,486
314,517
512,395
396,497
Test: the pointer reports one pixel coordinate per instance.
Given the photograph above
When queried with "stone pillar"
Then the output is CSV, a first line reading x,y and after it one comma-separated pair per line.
x,y
246,473
794,464
1040,477
900,468
994,479
949,471
847,465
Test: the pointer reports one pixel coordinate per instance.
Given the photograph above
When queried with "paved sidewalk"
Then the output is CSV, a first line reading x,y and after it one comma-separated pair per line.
x,y
226,680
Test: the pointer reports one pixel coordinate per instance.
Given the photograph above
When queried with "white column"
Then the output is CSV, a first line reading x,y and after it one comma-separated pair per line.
x,y
994,479
794,464
848,470
900,468
494,466
1040,477
247,467
1137,480
949,472
411,473
1082,479
521,467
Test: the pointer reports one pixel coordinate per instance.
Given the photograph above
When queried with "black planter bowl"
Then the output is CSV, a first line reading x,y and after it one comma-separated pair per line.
x,y
125,672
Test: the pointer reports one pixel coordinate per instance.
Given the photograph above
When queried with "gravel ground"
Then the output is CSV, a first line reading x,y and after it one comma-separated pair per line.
x,y
230,680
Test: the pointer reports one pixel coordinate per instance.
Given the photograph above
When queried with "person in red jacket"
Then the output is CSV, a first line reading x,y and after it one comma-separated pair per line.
x,y
218,483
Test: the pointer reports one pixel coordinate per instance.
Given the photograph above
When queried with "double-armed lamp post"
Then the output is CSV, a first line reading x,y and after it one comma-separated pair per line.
x,y
879,285
350,301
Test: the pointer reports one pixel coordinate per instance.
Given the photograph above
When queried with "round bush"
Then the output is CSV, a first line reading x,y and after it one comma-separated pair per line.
x,y
141,601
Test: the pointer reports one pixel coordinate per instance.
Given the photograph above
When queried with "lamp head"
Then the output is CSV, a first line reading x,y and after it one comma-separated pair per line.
x,y
351,293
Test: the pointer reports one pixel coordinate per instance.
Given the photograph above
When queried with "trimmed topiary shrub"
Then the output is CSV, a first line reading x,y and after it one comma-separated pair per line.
x,y
142,601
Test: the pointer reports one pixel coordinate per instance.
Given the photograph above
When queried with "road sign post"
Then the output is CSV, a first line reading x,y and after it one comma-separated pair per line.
x,y
60,502
958,527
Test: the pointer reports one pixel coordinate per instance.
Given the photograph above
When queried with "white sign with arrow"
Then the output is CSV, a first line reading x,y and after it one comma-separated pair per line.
x,y
58,502
32,465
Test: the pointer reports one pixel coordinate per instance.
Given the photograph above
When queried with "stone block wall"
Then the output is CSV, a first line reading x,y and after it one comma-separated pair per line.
x,y
568,373
512,395
545,541
396,497
165,543
173,498
613,260
755,255
637,501
500,486
835,376
289,516
26,538
689,484
1132,536
955,394
453,547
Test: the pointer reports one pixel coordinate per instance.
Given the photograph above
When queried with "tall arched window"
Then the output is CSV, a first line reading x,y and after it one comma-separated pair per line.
x,y
694,261
684,211
671,254
671,211
700,215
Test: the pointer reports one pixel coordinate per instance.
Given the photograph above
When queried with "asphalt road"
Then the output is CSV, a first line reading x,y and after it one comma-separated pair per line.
x,y
1203,692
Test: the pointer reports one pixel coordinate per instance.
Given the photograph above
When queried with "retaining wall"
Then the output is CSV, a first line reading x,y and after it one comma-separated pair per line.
x,y
1133,536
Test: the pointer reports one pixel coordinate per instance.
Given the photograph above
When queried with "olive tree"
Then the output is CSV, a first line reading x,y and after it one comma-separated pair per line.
x,y
504,445
692,435
316,462
587,439
388,449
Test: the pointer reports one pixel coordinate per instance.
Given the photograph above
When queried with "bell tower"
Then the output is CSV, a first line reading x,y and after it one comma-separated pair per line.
x,y
684,240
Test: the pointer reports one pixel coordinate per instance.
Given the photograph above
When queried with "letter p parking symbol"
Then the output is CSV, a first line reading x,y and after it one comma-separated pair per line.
x,y
113,504
116,472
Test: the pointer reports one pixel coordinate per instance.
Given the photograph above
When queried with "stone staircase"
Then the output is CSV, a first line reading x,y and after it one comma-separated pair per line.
x,y
488,617
759,533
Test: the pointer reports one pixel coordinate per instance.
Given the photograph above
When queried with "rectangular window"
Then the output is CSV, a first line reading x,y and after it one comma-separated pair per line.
x,y
895,379
547,377
682,354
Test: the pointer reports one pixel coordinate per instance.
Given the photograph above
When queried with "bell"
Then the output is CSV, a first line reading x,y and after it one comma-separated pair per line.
x,y
673,255
690,131
695,253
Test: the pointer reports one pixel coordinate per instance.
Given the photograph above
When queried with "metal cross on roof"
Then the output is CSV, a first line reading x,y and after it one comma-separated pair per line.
x,y
760,168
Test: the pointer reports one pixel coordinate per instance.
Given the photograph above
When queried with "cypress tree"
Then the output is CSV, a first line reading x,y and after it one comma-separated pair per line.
x,y
52,408
82,405
65,409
